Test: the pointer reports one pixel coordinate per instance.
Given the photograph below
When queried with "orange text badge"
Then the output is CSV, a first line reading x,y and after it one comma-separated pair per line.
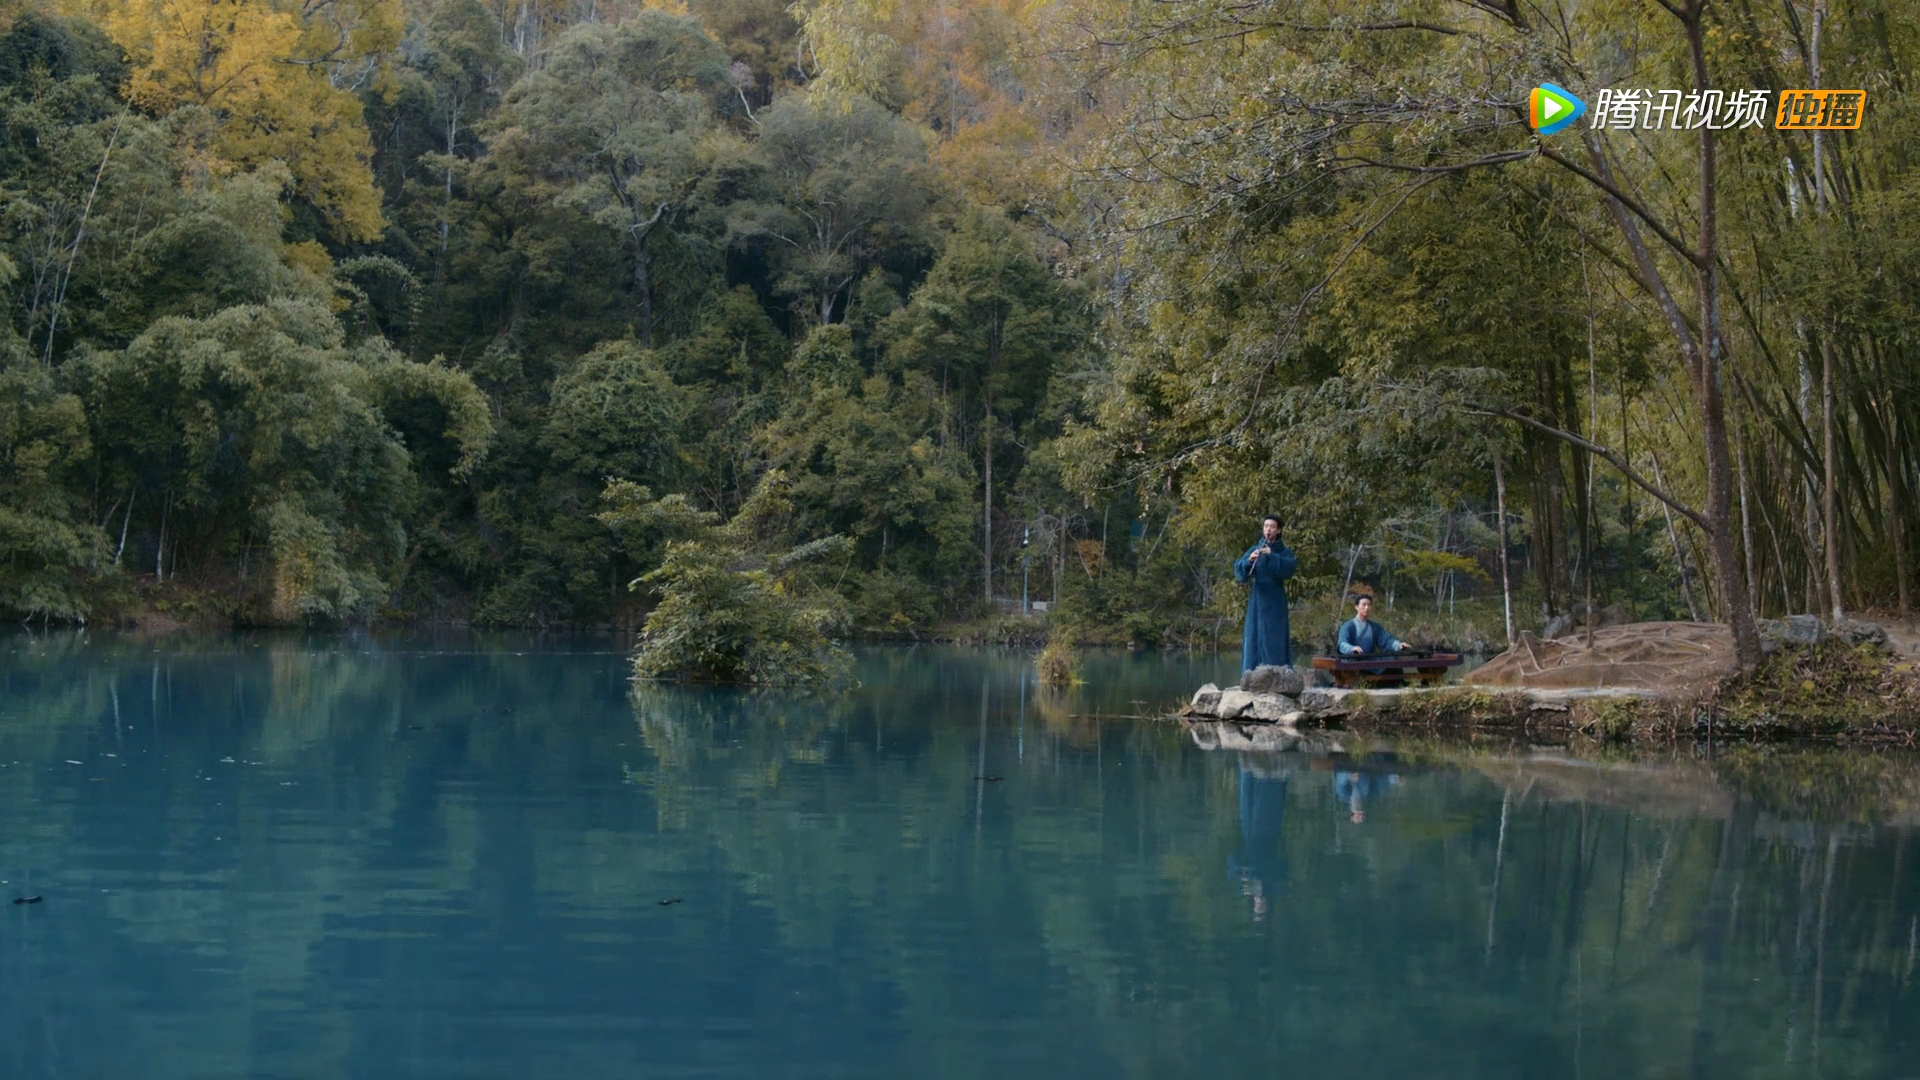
x,y
1820,110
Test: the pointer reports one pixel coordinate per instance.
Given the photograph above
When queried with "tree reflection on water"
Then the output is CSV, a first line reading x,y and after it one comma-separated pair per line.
x,y
454,855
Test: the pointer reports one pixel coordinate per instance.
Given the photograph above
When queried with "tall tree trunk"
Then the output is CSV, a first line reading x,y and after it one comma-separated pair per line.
x,y
1679,553
160,545
1626,493
132,493
1896,525
1746,532
1829,508
643,266
1593,431
1546,549
1060,564
65,277
986,508
1707,381
446,208
643,289
1506,577
1810,526
1829,511
1702,349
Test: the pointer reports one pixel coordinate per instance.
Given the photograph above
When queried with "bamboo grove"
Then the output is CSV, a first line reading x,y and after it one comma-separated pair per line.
x,y
367,309
1353,259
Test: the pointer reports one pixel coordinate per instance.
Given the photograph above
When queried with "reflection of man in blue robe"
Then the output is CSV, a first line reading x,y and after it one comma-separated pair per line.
x,y
1352,789
1265,567
1260,867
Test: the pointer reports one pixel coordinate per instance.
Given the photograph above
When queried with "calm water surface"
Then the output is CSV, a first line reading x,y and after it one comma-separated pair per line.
x,y
335,858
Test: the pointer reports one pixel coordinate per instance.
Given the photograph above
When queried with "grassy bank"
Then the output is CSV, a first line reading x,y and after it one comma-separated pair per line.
x,y
1833,691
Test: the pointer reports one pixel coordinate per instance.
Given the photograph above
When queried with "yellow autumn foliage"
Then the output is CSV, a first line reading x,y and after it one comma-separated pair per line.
x,y
280,75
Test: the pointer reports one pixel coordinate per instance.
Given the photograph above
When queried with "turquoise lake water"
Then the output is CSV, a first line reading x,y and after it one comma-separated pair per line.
x,y
486,858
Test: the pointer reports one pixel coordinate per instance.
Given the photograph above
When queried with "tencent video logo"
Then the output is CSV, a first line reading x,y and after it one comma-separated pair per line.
x,y
1550,108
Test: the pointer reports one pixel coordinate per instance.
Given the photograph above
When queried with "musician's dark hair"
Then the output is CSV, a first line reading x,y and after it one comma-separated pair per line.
x,y
1275,518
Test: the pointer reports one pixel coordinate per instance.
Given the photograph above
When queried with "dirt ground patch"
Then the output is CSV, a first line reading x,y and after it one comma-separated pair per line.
x,y
1671,659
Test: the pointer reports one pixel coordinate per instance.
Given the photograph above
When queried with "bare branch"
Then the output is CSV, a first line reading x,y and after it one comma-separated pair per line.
x,y
1306,300
1477,163
1401,24
1612,457
1613,192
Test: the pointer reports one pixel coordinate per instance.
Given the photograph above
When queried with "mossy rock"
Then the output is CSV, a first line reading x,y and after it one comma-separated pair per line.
x,y
1609,719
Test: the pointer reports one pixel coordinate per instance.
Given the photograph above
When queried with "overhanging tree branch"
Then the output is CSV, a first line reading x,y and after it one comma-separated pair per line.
x,y
1610,456
1477,163
1613,192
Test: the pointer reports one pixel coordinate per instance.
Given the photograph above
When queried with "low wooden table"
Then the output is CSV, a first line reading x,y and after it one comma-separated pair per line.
x,y
1373,669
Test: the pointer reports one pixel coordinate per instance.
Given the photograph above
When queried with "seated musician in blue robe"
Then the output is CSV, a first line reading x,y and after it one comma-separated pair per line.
x,y
1360,635
1266,567
1351,789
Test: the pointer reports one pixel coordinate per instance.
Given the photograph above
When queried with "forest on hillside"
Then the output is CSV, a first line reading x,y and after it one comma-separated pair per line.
x,y
528,312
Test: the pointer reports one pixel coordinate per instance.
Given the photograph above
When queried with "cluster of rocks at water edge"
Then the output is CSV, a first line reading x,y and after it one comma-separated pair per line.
x,y
1269,694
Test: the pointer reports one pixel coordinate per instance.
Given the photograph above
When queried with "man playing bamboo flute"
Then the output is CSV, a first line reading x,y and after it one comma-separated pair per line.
x,y
1265,567
1361,634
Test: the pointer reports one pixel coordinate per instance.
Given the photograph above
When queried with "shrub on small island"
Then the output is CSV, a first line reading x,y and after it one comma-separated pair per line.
x,y
1058,663
735,605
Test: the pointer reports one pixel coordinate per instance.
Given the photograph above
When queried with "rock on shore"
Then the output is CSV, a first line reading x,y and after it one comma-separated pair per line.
x,y
1269,693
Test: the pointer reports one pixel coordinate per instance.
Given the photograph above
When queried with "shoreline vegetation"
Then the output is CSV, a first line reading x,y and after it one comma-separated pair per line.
x,y
1474,627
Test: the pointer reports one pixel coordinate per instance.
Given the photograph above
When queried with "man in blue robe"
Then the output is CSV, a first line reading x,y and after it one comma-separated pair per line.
x,y
1266,566
1361,634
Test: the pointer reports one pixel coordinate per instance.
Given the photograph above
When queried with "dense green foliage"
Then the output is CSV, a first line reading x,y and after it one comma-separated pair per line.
x,y
612,257
733,606
1052,322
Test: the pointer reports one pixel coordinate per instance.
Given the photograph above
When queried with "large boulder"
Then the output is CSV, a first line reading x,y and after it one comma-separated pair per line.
x,y
1859,632
1272,708
1802,630
1806,631
1273,679
1206,700
1320,701
1232,704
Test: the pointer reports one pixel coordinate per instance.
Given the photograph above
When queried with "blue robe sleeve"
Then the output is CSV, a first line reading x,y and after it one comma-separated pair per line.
x,y
1375,639
1280,565
1243,566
